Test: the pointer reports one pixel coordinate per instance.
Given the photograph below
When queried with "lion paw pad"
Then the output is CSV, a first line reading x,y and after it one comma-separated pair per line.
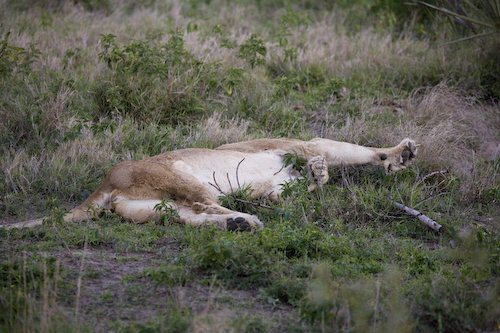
x,y
238,224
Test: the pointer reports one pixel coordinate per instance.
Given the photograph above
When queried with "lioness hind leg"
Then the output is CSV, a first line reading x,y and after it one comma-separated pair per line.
x,y
142,211
234,221
137,211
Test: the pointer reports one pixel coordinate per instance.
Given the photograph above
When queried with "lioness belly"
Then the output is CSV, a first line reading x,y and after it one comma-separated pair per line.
x,y
262,172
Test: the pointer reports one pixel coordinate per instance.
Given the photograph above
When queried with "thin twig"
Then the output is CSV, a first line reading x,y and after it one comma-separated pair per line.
x,y
430,198
282,166
217,187
229,181
256,204
439,172
237,178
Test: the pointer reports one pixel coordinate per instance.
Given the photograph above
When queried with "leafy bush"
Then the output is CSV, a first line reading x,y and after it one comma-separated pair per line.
x,y
9,55
154,82
253,51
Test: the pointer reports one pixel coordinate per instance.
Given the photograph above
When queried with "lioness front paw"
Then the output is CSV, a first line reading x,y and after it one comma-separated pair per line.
x,y
401,156
319,169
409,152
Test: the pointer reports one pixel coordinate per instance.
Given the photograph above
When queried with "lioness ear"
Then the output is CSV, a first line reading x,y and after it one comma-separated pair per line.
x,y
383,157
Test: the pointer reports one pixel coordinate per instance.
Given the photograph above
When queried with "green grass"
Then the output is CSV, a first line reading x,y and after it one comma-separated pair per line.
x,y
86,85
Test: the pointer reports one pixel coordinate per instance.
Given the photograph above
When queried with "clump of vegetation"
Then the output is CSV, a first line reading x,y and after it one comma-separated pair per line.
x,y
87,84
167,83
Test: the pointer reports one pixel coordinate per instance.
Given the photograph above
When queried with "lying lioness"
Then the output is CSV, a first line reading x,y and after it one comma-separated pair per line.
x,y
192,179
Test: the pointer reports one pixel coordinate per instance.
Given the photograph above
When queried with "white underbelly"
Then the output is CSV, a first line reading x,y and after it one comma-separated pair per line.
x,y
262,172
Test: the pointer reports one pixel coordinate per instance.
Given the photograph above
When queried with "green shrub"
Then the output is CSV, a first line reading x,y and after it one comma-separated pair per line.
x,y
253,50
154,82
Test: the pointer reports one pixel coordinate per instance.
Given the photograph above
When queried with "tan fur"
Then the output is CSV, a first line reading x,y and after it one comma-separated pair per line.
x,y
192,179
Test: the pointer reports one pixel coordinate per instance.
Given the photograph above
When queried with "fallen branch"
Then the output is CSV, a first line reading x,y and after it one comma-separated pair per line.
x,y
423,218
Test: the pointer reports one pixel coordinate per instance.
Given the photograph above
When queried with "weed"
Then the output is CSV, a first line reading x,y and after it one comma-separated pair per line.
x,y
253,50
157,82
169,213
8,55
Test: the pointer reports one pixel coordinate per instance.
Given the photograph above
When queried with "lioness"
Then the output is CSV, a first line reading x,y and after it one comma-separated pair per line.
x,y
192,179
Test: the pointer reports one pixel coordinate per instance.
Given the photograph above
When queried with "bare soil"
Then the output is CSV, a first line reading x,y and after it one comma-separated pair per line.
x,y
115,291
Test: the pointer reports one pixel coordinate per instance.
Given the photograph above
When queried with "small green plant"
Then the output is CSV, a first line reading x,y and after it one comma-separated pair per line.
x,y
283,86
232,80
30,56
225,41
107,296
170,275
241,200
9,55
170,214
253,50
292,19
234,261
298,162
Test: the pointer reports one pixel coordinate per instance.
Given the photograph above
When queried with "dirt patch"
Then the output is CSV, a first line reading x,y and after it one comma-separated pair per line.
x,y
114,289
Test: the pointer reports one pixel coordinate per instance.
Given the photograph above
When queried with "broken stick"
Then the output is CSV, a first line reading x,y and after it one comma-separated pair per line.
x,y
423,218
